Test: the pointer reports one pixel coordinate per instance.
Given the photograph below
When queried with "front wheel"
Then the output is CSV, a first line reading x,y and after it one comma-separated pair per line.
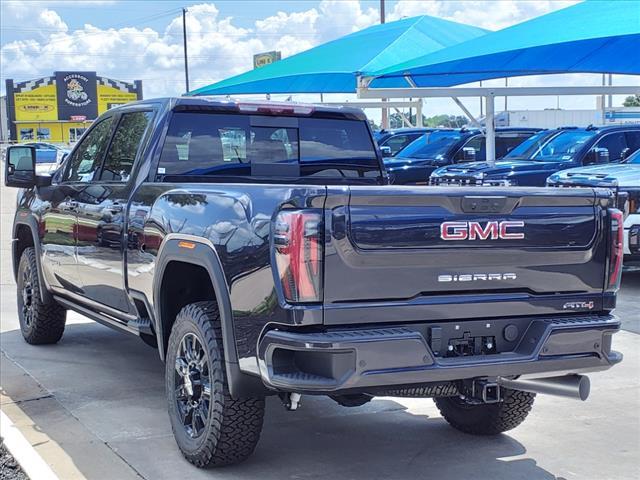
x,y
210,427
40,323
488,418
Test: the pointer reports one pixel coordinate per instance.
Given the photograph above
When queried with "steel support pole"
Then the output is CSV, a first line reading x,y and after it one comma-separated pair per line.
x,y
490,129
184,39
419,114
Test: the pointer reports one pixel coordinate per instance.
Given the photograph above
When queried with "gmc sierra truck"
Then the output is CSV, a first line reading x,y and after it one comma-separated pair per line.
x,y
261,249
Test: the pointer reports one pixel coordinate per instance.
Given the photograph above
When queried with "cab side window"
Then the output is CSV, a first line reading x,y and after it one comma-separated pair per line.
x,y
87,157
126,142
615,143
398,142
506,143
633,141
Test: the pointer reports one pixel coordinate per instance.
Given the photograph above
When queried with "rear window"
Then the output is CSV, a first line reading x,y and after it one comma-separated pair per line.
x,y
234,145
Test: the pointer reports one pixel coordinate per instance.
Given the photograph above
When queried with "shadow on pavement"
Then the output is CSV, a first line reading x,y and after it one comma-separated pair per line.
x,y
112,386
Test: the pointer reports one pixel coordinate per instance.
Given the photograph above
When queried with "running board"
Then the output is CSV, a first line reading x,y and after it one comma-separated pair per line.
x,y
99,317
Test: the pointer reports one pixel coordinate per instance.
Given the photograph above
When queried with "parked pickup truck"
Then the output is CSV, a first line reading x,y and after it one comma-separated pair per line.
x,y
544,154
445,146
624,179
262,252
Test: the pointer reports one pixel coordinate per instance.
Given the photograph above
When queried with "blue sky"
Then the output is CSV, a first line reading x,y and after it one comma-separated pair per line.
x,y
131,40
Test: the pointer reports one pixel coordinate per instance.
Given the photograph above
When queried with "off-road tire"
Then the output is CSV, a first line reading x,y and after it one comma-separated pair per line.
x,y
233,425
490,418
40,323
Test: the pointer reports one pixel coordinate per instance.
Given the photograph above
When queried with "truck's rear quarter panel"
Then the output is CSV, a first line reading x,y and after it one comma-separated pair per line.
x,y
236,219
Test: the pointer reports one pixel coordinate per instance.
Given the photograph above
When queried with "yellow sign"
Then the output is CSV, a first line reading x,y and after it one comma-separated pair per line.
x,y
109,97
266,58
38,104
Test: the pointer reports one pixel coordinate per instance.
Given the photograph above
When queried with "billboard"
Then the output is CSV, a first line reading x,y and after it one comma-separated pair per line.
x,y
55,107
112,93
77,94
266,58
35,100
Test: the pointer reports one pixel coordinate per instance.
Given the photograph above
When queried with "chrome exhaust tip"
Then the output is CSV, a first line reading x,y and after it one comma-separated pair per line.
x,y
570,386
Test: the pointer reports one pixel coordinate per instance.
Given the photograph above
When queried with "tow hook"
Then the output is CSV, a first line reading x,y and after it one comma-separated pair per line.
x,y
291,401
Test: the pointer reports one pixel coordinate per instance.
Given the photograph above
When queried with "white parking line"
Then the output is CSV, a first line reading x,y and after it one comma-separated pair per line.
x,y
32,464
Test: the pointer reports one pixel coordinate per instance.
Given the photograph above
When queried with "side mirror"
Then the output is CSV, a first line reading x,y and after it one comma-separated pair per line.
x,y
20,167
601,155
386,152
469,154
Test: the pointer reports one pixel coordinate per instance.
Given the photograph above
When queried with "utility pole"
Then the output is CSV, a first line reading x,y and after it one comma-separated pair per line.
x,y
184,37
384,120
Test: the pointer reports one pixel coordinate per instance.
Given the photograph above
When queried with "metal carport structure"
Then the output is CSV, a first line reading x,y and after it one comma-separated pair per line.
x,y
589,37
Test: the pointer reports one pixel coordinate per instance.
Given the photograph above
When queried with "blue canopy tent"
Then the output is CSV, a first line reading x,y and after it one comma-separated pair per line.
x,y
589,37
333,67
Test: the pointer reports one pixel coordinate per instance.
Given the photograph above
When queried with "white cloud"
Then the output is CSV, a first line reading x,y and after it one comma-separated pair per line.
x,y
493,15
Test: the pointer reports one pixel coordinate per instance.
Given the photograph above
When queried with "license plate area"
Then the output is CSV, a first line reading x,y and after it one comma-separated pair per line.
x,y
476,337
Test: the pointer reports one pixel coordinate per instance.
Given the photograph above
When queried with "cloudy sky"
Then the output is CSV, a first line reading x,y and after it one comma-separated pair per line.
x,y
130,40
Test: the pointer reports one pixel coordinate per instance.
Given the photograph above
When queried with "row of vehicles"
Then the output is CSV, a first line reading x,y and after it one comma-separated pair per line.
x,y
262,251
595,156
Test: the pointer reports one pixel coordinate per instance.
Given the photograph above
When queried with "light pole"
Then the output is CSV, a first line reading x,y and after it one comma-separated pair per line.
x,y
184,38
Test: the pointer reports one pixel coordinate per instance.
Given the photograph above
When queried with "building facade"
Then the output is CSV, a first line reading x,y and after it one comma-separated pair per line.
x,y
60,107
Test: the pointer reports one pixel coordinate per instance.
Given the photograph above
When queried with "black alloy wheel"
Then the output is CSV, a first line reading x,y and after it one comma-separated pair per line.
x,y
193,385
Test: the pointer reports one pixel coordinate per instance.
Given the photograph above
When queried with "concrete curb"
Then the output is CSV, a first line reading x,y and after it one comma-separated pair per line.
x,y
32,464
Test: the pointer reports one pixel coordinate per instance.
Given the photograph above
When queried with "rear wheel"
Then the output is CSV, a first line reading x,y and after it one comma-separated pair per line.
x,y
210,427
488,418
40,323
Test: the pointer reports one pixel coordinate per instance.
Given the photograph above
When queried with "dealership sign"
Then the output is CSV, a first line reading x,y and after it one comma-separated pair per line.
x,y
77,94
266,58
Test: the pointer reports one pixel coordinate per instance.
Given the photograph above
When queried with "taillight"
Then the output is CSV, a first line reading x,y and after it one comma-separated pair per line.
x,y
616,250
298,243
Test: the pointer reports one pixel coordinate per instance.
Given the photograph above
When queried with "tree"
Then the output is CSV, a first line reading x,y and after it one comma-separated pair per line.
x,y
632,101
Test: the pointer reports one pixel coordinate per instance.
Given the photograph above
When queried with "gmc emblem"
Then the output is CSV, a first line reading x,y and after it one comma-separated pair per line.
x,y
475,231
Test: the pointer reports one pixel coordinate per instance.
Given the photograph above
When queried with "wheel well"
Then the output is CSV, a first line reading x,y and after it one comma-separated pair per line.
x,y
182,283
24,240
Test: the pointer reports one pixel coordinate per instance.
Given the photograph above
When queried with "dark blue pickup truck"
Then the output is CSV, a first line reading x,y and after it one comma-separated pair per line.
x,y
415,162
260,248
546,153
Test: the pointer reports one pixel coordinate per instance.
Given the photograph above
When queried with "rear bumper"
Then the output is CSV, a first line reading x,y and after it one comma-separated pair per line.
x,y
340,360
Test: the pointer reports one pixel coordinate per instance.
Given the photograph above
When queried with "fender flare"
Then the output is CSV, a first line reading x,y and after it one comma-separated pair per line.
x,y
204,255
30,222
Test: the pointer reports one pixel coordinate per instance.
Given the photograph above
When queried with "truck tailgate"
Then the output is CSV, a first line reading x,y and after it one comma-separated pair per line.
x,y
413,253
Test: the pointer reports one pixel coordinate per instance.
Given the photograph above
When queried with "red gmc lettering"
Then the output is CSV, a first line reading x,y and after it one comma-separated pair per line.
x,y
504,235
475,231
453,231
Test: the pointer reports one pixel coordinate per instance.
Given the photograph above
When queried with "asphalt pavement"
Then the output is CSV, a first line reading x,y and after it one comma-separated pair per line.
x,y
93,406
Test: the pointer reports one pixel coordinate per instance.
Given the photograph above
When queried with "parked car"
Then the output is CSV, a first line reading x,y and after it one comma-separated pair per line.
x,y
624,179
48,157
398,138
284,264
414,163
547,153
